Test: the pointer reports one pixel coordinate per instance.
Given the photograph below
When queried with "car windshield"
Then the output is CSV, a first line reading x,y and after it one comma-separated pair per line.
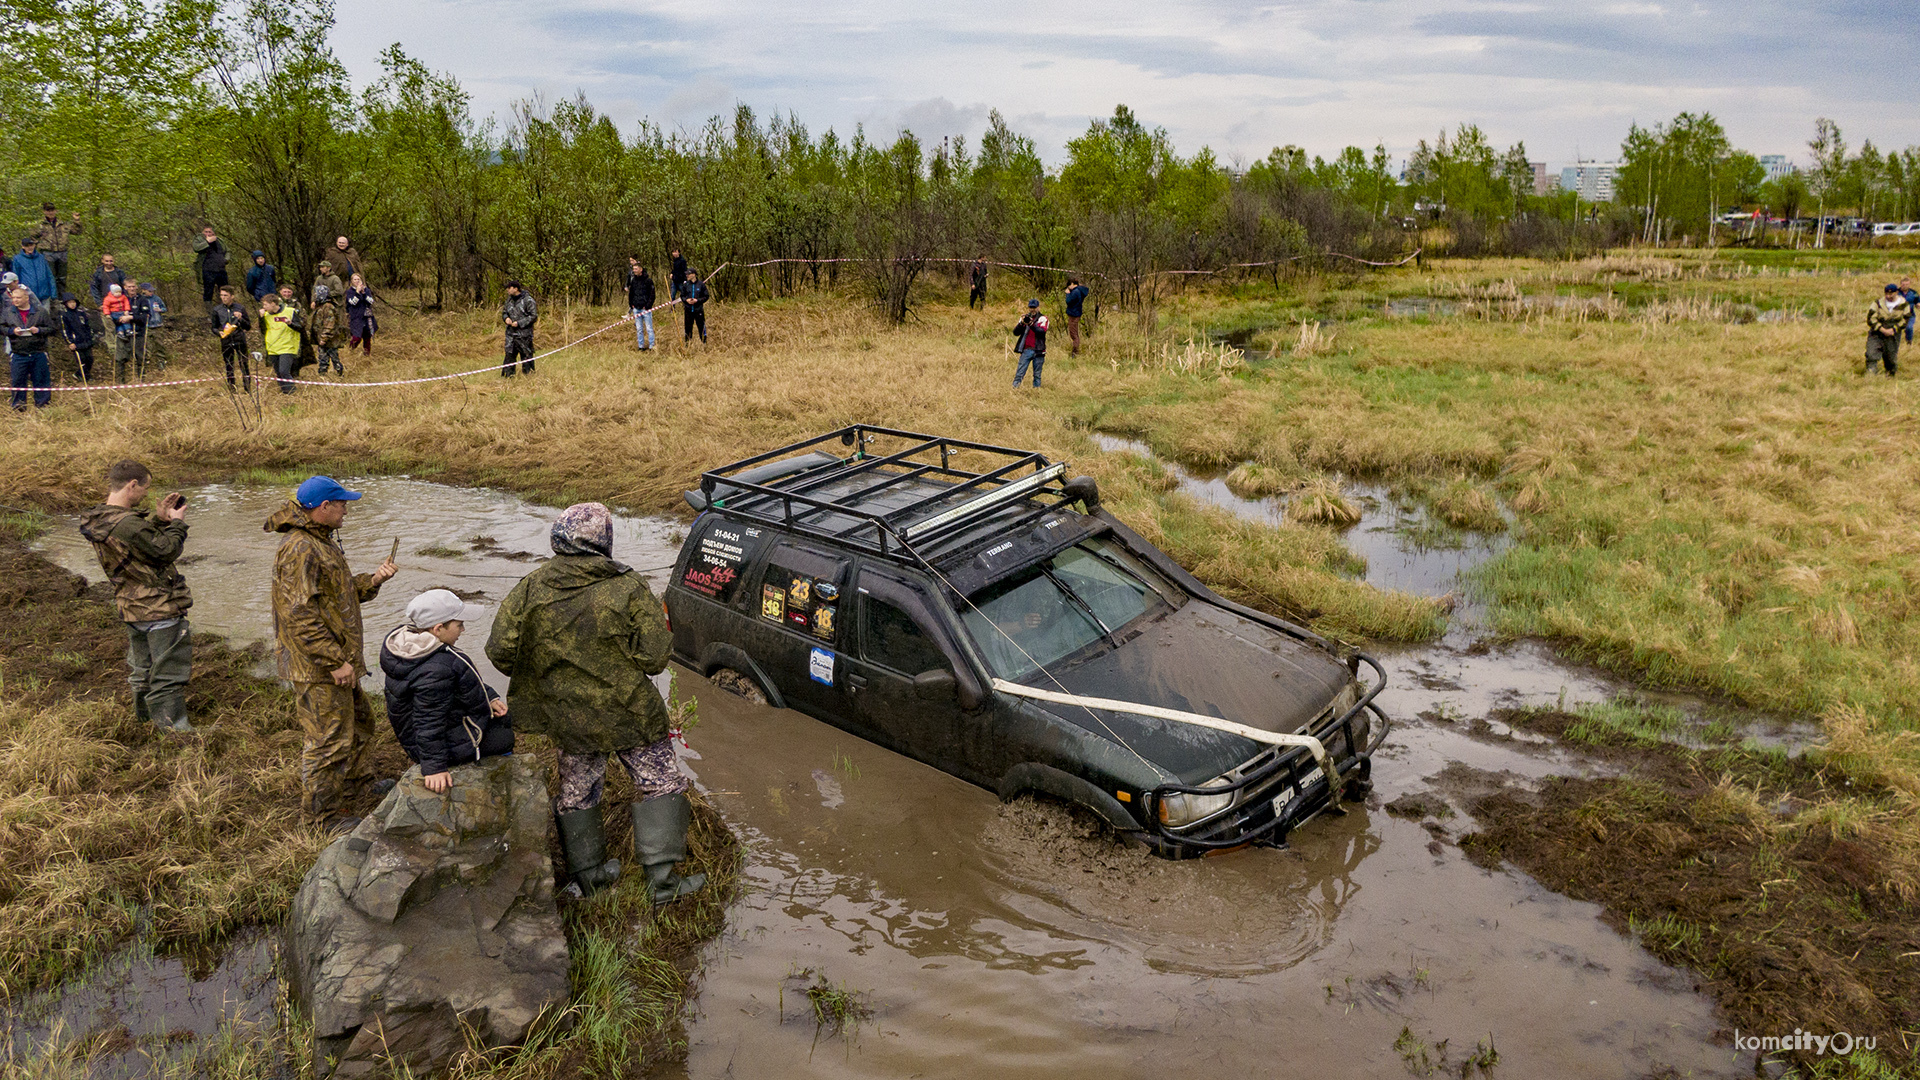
x,y
1061,606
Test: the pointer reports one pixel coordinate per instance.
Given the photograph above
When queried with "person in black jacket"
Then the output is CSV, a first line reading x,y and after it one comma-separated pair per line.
x,y
442,712
695,295
229,318
27,326
107,274
1030,338
640,300
78,330
677,276
211,255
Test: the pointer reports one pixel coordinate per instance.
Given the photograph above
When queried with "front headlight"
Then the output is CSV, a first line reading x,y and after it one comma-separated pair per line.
x,y
1181,809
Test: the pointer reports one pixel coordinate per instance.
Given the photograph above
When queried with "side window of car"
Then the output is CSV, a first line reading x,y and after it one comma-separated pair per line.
x,y
721,553
891,638
800,590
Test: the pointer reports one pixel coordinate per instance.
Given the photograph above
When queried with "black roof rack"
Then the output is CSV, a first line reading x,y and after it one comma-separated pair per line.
x,y
804,490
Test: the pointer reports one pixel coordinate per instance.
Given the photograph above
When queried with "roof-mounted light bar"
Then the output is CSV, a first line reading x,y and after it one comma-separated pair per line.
x,y
1000,496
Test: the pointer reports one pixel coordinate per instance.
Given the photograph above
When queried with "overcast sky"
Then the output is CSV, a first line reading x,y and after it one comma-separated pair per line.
x,y
1239,77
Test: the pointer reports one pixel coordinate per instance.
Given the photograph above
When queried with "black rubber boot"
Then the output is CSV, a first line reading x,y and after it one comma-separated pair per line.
x,y
584,838
660,842
140,712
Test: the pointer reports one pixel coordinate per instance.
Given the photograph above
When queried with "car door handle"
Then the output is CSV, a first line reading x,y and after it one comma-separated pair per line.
x,y
858,682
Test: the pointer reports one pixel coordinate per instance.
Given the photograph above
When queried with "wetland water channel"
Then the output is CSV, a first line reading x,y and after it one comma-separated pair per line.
x,y
996,939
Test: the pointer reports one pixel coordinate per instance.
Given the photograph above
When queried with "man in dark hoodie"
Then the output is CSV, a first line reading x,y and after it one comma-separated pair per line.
x,y
321,646
261,278
139,551
579,638
442,712
77,328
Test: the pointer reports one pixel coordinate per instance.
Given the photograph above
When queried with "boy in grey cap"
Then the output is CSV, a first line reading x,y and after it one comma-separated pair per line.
x,y
442,711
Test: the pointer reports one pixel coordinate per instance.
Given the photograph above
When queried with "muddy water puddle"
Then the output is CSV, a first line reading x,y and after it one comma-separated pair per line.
x,y
474,541
147,1013
1389,537
999,939
1010,940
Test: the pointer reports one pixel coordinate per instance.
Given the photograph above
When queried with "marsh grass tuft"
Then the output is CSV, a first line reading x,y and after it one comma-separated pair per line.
x,y
1463,504
1321,502
1252,480
1312,341
837,1010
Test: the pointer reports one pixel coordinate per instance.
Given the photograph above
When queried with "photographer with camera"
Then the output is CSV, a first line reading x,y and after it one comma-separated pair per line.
x,y
1030,338
138,551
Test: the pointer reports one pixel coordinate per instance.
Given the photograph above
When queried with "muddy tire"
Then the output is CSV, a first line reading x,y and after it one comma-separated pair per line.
x,y
733,682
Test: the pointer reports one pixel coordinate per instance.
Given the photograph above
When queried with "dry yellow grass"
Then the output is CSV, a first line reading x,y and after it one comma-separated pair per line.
x,y
602,421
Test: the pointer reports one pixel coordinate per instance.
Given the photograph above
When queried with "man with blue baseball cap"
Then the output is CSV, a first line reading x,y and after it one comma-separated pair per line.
x,y
322,648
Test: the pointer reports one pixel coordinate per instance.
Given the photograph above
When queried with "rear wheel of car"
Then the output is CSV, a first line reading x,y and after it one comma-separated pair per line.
x,y
739,685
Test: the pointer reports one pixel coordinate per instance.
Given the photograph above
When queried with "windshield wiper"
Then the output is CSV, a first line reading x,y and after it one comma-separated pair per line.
x,y
1081,603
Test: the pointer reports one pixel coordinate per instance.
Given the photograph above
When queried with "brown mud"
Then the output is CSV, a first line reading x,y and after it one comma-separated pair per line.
x,y
1704,856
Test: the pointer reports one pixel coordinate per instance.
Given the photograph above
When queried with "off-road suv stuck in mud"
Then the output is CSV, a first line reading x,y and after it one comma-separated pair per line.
x,y
974,619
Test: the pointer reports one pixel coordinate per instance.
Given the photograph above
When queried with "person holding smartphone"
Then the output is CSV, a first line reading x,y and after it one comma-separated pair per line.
x,y
139,550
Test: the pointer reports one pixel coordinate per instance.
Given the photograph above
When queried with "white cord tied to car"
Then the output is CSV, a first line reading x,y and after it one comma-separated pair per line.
x,y
1274,738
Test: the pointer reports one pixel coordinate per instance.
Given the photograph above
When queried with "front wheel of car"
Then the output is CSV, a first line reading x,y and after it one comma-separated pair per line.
x,y
739,685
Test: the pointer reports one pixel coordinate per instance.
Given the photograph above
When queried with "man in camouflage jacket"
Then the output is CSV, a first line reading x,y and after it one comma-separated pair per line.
x,y
323,329
321,646
519,314
55,238
579,638
138,552
336,287
1886,320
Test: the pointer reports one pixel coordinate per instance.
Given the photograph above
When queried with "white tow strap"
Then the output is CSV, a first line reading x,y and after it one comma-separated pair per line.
x,y
1274,738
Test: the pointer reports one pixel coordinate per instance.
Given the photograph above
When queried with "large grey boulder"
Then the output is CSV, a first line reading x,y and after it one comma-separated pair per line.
x,y
434,915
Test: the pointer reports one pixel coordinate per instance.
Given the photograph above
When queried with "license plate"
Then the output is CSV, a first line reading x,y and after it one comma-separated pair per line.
x,y
1281,800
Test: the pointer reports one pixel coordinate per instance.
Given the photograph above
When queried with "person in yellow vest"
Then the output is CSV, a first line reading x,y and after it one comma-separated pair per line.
x,y
281,328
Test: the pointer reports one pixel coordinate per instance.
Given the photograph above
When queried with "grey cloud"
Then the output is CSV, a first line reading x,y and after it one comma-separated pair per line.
x,y
1321,73
698,100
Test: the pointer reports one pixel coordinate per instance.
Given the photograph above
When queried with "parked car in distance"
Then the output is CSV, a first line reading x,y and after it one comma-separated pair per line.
x,y
965,605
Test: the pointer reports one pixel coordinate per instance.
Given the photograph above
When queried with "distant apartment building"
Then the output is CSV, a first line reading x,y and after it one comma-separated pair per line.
x,y
1541,184
1776,165
1591,180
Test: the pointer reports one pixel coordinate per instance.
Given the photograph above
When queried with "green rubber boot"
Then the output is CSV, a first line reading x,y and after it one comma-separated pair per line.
x,y
584,838
660,842
169,712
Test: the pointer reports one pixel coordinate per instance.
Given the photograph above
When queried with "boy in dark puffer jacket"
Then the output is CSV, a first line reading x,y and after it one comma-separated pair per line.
x,y
442,712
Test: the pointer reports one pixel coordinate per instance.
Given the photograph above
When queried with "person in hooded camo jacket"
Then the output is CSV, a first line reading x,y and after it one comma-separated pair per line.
x,y
579,639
